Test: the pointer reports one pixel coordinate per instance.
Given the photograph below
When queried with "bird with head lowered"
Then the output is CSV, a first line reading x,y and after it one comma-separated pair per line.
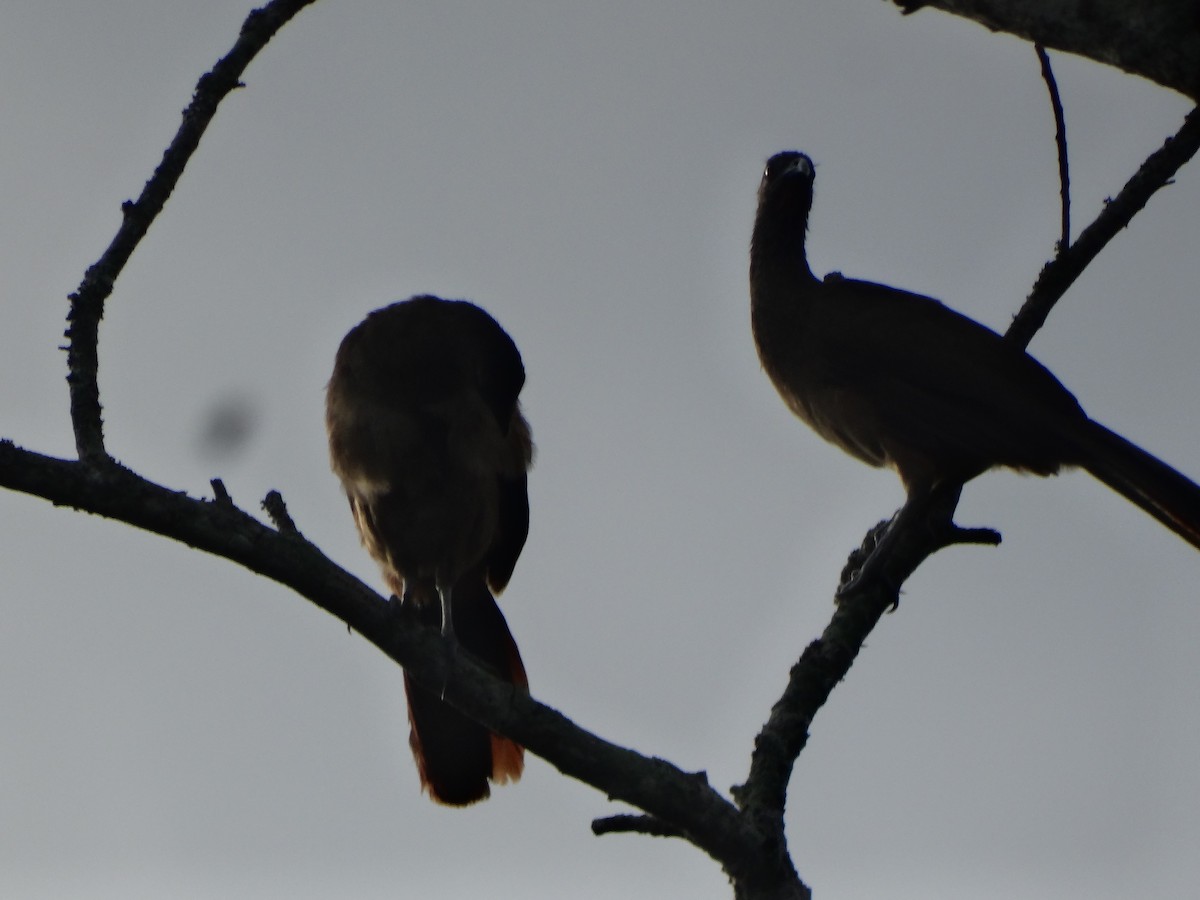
x,y
427,437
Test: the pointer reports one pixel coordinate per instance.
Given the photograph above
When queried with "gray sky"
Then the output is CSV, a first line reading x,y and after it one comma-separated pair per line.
x,y
174,726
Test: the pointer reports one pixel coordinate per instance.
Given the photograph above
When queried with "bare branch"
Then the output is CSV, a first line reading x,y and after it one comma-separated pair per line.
x,y
1156,39
1060,141
682,800
1060,273
634,825
221,493
274,507
895,549
87,302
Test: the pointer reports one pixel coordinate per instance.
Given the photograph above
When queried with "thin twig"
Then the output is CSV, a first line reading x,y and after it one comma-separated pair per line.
x,y
87,302
634,825
220,493
1060,140
275,508
1060,273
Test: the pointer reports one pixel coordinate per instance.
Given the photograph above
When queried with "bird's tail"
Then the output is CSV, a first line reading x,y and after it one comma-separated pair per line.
x,y
1167,495
455,756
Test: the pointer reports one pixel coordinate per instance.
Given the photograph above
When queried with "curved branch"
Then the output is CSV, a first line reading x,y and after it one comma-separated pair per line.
x,y
1060,142
87,302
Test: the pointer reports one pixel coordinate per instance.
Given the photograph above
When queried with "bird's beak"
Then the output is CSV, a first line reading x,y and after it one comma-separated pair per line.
x,y
802,166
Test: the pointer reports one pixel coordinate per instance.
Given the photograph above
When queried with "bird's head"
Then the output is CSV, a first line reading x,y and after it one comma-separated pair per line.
x,y
788,180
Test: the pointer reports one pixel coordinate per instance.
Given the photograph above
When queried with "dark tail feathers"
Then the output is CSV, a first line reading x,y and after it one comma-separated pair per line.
x,y
1167,495
455,756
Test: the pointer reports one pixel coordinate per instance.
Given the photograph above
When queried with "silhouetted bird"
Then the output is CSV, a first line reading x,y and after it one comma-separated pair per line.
x,y
897,379
427,437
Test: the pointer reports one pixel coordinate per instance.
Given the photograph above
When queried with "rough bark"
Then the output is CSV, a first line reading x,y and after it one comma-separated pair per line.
x,y
1156,39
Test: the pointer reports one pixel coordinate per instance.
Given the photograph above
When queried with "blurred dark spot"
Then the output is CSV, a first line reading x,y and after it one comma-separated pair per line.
x,y
228,427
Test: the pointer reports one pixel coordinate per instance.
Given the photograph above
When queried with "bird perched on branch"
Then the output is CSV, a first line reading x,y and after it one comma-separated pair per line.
x,y
897,379
427,438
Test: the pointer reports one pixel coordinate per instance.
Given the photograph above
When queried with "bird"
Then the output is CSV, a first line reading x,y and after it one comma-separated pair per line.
x,y
427,437
899,380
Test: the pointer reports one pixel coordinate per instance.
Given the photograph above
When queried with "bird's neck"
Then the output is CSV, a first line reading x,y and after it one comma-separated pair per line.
x,y
779,268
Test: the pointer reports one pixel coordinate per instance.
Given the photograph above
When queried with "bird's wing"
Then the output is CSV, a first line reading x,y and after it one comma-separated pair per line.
x,y
937,380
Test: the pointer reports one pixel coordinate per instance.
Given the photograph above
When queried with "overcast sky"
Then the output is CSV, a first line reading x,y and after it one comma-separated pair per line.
x,y
1025,725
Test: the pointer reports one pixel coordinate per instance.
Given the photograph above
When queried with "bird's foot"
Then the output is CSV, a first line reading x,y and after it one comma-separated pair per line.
x,y
923,519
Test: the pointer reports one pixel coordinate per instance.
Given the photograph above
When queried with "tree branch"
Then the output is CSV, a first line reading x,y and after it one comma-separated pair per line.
x,y
1060,142
1060,273
1156,39
634,825
684,801
87,302
923,526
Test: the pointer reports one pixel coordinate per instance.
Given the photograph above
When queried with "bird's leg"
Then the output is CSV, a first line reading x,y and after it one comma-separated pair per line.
x,y
877,548
917,506
932,506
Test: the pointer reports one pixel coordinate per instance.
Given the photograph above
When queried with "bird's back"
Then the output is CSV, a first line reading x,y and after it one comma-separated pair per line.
x,y
427,438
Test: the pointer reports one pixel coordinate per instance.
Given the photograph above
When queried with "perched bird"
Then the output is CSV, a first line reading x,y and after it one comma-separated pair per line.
x,y
897,379
427,438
